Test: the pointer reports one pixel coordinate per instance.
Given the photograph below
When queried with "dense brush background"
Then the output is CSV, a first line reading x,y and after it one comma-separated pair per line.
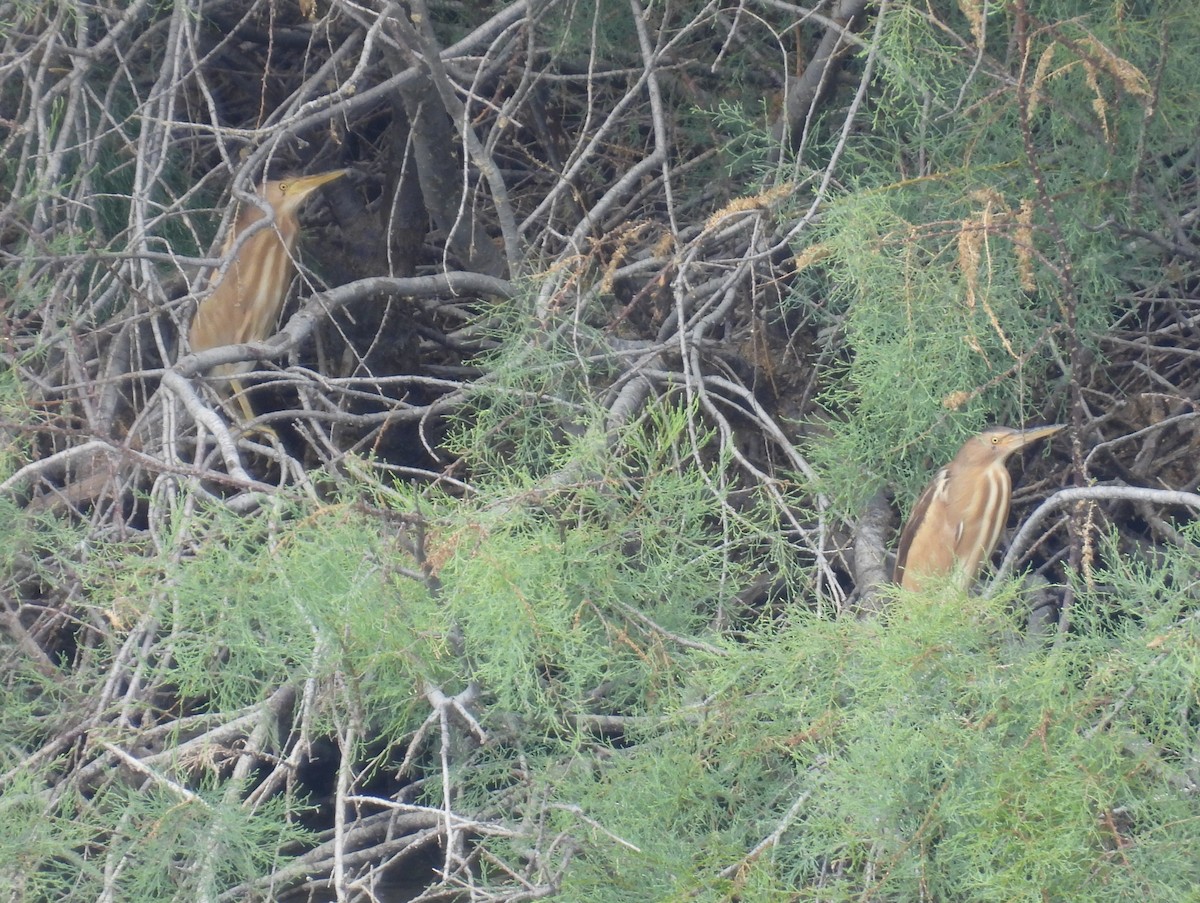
x,y
605,383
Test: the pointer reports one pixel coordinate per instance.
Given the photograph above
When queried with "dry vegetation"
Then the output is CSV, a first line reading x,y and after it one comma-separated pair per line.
x,y
592,182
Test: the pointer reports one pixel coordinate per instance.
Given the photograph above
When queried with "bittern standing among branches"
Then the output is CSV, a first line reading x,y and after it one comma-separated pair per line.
x,y
245,304
956,523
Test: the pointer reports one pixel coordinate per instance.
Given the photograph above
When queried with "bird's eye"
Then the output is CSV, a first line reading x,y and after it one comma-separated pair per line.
x,y
283,187
995,440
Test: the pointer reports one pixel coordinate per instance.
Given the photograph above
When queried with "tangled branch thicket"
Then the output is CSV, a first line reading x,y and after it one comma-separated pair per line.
x,y
687,285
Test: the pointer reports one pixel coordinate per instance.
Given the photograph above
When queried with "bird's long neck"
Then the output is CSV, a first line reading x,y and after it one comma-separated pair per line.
x,y
261,271
284,228
985,502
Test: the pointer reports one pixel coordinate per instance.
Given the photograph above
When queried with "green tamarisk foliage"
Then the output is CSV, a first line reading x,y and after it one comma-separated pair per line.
x,y
976,238
933,754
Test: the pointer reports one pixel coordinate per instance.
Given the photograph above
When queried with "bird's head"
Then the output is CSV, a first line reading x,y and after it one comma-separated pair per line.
x,y
286,195
997,443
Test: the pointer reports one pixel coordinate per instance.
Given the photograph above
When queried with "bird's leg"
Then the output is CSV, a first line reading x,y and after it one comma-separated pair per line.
x,y
239,392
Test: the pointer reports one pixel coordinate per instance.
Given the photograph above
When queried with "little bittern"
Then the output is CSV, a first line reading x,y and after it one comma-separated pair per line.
x,y
244,306
956,523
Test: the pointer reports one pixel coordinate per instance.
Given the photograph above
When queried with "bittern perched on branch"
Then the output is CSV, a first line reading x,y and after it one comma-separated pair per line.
x,y
245,304
956,523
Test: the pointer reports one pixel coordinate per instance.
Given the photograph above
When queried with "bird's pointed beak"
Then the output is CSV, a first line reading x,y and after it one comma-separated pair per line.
x,y
304,184
1028,437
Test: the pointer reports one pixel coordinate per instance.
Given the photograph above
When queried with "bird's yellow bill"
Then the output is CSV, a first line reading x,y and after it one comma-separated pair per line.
x,y
304,184
1040,432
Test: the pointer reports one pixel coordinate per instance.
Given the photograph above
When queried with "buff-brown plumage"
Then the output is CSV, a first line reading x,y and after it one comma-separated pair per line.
x,y
957,520
244,305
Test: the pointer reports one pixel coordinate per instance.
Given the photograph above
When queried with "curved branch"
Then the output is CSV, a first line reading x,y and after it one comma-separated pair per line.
x,y
1080,494
301,324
